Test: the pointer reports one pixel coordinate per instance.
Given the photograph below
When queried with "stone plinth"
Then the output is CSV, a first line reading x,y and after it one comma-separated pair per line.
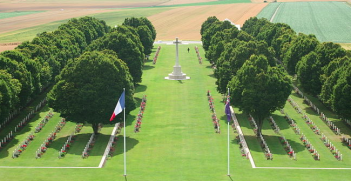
x,y
177,74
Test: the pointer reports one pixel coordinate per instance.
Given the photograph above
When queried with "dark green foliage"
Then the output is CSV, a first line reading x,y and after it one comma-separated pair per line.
x,y
259,89
211,30
128,48
35,64
136,22
9,93
308,72
300,47
208,23
88,88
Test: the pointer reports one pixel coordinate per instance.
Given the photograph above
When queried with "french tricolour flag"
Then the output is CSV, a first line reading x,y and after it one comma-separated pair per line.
x,y
119,107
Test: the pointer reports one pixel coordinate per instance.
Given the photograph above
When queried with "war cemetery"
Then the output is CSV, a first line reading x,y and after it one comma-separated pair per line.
x,y
175,90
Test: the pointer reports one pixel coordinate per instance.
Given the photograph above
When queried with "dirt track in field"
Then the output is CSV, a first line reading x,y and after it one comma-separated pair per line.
x,y
185,22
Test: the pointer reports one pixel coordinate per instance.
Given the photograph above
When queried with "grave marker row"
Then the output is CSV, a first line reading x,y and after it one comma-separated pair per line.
x,y
264,145
198,54
322,116
156,55
290,151
70,140
140,114
215,120
308,121
336,153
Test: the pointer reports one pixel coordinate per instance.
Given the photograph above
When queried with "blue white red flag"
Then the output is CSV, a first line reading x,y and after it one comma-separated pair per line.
x,y
119,107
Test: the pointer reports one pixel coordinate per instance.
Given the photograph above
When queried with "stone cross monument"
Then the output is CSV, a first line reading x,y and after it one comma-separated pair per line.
x,y
177,73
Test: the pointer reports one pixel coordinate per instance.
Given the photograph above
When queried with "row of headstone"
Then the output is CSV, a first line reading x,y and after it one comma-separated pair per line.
x,y
215,120
43,122
336,153
290,151
348,122
294,105
14,113
140,114
70,140
308,121
43,147
8,119
21,147
88,146
274,125
6,139
322,116
112,142
198,54
264,146
291,122
156,55
244,149
253,124
346,141
310,147
311,124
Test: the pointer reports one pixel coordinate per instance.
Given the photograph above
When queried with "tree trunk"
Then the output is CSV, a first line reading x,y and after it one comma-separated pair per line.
x,y
95,127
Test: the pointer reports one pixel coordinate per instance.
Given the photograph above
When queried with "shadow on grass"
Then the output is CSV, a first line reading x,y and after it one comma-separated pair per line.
x,y
180,81
277,148
24,130
211,75
130,144
140,88
78,147
4,151
148,67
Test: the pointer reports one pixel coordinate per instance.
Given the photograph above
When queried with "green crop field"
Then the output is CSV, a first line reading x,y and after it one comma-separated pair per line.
x,y
177,140
329,21
17,13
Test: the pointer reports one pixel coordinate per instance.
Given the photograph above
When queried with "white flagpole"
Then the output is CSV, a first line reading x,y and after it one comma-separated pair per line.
x,y
124,136
228,141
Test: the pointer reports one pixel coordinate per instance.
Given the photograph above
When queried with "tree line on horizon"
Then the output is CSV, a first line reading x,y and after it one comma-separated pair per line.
x,y
88,62
322,69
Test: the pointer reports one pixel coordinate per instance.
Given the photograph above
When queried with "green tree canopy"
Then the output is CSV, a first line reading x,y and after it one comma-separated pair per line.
x,y
299,47
88,88
308,71
136,22
127,46
259,89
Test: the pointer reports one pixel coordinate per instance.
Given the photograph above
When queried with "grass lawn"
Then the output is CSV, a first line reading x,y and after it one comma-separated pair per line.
x,y
177,140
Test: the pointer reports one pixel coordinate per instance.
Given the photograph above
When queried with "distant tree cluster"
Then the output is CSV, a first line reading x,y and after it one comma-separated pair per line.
x,y
246,66
32,66
322,69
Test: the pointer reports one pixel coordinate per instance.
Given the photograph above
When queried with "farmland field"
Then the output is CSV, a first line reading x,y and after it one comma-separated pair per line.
x,y
329,21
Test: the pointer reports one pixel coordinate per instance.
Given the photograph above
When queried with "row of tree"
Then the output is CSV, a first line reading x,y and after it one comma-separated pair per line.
x,y
88,87
68,54
245,66
322,69
32,66
239,59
